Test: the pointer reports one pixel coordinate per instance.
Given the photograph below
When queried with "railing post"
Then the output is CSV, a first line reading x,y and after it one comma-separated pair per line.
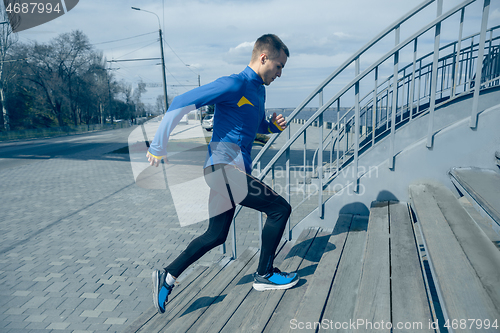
x,y
394,102
233,227
458,50
287,182
412,89
304,174
338,138
479,69
490,56
320,159
331,153
356,126
470,63
260,222
419,85
433,83
374,113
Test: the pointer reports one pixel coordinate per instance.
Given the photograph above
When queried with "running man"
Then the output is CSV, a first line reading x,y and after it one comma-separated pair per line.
x,y
239,115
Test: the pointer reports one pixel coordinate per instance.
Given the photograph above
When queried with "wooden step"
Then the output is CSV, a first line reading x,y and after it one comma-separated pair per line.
x,y
293,298
465,264
197,295
481,186
341,303
482,222
379,284
180,300
410,297
318,287
374,298
256,309
213,292
216,317
180,289
365,268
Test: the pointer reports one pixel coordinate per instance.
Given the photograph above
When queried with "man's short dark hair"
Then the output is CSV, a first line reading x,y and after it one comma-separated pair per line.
x,y
271,44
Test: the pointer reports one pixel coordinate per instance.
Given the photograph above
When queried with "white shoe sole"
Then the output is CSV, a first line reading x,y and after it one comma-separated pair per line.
x,y
263,287
155,290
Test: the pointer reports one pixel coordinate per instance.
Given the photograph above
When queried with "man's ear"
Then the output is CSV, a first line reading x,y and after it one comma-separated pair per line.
x,y
263,57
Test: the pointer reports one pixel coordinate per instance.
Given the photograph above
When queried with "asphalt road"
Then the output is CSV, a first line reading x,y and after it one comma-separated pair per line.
x,y
22,152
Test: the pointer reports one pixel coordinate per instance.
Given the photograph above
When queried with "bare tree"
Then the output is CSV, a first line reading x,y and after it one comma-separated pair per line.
x,y
65,81
160,105
45,74
73,59
136,98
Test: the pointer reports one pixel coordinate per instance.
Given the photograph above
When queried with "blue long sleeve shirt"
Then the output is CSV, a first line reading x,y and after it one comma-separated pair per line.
x,y
239,115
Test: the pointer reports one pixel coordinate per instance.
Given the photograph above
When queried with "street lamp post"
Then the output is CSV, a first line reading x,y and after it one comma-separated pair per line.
x,y
162,57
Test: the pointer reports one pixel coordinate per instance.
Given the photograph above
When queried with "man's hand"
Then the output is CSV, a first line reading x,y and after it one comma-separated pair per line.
x,y
153,160
279,120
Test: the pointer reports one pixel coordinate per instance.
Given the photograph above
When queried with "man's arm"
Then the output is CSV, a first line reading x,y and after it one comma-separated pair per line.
x,y
215,92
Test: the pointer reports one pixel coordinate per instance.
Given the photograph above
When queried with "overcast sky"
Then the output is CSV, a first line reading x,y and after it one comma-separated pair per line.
x,y
215,37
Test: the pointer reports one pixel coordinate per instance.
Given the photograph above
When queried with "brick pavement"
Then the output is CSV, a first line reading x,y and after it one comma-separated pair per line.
x,y
79,241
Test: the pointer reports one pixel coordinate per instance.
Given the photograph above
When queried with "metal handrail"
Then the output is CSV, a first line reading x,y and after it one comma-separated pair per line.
x,y
388,79
387,93
356,80
341,68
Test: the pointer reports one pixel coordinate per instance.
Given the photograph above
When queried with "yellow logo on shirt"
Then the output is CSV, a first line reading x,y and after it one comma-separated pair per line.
x,y
244,101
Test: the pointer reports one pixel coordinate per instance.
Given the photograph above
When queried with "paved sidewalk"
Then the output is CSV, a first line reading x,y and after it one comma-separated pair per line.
x,y
79,239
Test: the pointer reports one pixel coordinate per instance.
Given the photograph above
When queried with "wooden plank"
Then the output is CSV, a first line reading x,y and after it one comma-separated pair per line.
x,y
179,303
283,251
410,304
482,222
481,253
258,307
340,307
374,299
461,293
482,185
180,288
216,317
289,303
313,302
210,294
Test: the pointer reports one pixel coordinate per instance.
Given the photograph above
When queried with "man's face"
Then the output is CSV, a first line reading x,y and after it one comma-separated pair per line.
x,y
271,69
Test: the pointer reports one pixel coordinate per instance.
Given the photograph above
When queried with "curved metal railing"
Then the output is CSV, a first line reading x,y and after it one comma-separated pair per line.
x,y
409,91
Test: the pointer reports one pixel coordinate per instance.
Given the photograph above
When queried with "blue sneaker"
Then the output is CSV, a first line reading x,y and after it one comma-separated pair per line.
x,y
274,280
161,290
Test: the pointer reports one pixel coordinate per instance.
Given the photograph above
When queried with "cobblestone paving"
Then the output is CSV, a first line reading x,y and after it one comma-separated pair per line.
x,y
79,240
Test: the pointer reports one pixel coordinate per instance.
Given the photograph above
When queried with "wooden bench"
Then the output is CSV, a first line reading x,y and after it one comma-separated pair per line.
x,y
465,264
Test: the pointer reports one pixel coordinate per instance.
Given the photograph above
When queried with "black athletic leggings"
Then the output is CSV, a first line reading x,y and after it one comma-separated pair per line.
x,y
258,196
